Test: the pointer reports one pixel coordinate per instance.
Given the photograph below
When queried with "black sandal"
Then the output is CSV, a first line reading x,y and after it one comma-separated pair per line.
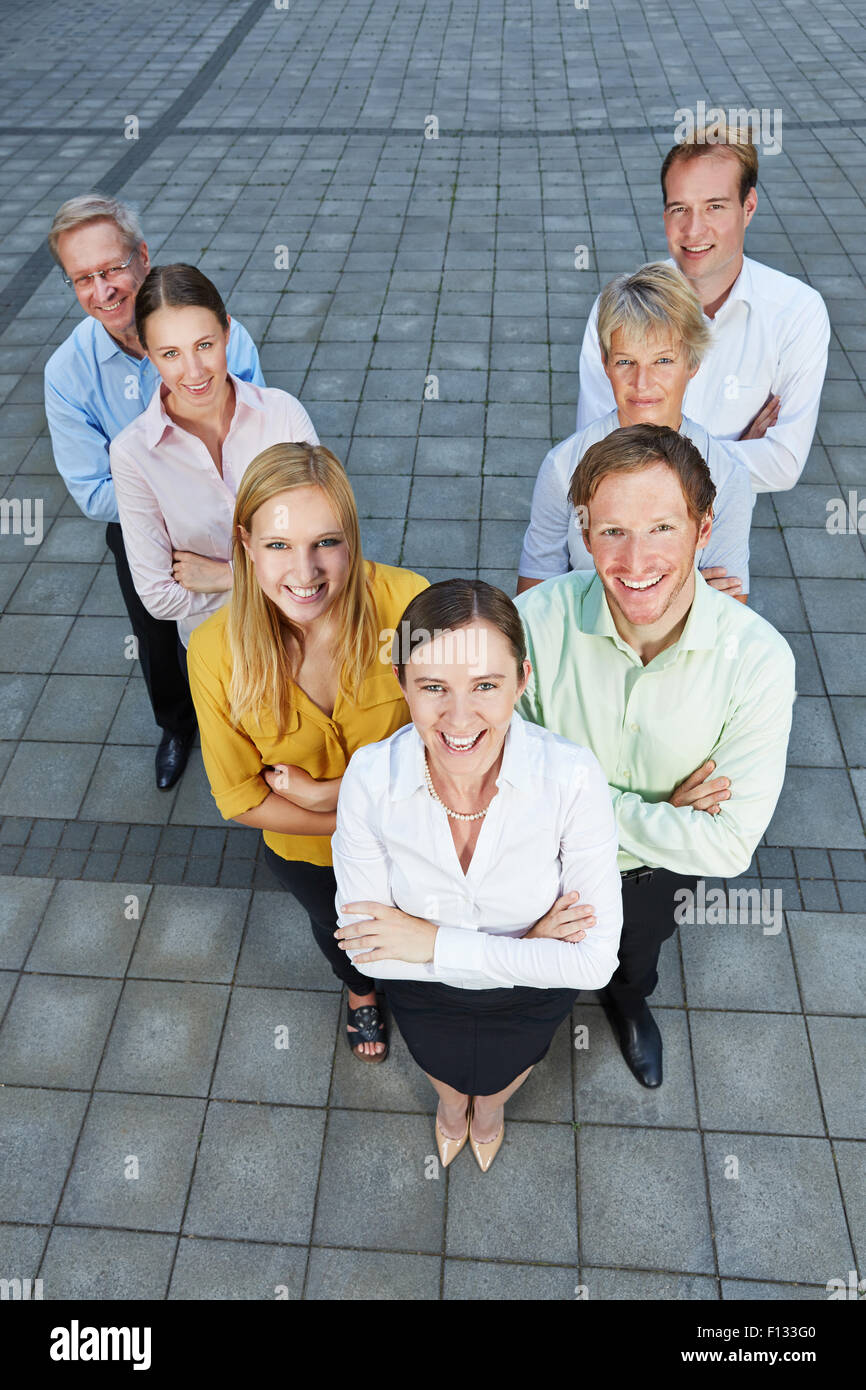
x,y
370,1027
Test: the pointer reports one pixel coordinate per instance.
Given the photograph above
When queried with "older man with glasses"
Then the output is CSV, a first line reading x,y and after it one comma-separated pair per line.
x,y
96,383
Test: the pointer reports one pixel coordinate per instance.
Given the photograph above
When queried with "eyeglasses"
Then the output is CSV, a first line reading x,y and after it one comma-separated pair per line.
x,y
111,274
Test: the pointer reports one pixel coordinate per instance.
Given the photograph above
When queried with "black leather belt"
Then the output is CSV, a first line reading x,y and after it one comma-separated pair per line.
x,y
637,875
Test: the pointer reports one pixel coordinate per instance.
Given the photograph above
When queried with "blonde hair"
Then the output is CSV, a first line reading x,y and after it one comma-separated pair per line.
x,y
650,300
263,670
714,139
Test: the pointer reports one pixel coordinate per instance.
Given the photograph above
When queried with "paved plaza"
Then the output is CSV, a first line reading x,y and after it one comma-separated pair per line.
x,y
147,957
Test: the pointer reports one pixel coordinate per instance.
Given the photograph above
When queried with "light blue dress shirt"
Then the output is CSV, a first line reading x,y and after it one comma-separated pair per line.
x,y
93,390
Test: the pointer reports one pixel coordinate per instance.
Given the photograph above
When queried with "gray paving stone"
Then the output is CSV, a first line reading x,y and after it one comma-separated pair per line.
x,y
18,695
123,787
390,1203
84,1264
830,951
133,1163
643,1199
22,905
816,808
164,1039
133,721
31,642
852,1177
279,949
371,1274
632,1284
490,1280
436,497
240,1188
252,1066
835,605
21,1250
843,663
55,1029
96,646
838,1046
814,741
190,934
754,1072
88,928
850,715
816,554
507,499
233,1270
766,1218
39,1130
425,544
76,708
450,456
605,1092
750,1291
52,588
75,539
104,599
483,1220
738,966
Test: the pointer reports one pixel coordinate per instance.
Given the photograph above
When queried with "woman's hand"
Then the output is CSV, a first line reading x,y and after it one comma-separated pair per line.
x,y
199,574
391,935
717,577
296,785
566,921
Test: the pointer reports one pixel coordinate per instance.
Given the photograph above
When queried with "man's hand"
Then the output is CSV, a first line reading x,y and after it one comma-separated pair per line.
x,y
390,935
566,921
199,574
296,785
764,420
717,577
699,794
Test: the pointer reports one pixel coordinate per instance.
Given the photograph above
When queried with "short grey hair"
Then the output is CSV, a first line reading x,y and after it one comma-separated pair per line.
x,y
655,298
93,207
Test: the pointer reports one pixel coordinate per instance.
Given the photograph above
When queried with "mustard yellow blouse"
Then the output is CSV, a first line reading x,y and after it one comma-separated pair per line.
x,y
234,757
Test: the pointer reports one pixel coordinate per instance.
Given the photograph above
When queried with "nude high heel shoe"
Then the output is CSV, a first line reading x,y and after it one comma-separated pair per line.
x,y
485,1153
450,1148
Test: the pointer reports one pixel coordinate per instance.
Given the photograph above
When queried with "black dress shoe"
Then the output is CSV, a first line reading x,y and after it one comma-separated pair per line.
x,y
171,758
639,1039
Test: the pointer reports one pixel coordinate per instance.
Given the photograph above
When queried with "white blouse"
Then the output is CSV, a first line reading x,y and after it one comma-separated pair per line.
x,y
550,829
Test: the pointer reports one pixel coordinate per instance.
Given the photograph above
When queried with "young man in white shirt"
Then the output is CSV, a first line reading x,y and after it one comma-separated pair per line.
x,y
759,386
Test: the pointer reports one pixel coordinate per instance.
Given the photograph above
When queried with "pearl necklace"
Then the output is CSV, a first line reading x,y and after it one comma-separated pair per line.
x,y
455,815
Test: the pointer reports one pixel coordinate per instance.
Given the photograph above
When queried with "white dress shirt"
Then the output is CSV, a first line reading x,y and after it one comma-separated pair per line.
x,y
553,543
550,829
769,337
170,495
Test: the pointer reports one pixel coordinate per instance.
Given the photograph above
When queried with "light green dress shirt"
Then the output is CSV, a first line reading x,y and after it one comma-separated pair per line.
x,y
724,691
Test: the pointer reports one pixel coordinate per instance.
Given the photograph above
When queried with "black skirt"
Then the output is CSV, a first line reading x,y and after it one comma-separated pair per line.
x,y
476,1040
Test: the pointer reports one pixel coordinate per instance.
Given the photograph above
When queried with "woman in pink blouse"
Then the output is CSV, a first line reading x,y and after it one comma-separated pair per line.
x,y
177,466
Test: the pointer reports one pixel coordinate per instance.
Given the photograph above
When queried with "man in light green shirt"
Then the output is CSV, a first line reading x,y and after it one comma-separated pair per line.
x,y
668,682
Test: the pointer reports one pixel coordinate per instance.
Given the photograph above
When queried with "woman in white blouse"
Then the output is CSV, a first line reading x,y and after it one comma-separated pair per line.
x,y
177,466
475,857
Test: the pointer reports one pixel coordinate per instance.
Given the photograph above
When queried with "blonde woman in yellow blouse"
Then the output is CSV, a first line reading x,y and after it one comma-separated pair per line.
x,y
288,679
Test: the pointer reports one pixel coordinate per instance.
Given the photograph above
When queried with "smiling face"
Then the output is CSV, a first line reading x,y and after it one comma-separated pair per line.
x,y
188,348
299,552
705,222
643,542
99,245
649,378
461,687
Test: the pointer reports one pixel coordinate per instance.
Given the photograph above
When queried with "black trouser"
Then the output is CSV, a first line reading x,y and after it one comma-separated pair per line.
x,y
315,888
648,906
164,677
